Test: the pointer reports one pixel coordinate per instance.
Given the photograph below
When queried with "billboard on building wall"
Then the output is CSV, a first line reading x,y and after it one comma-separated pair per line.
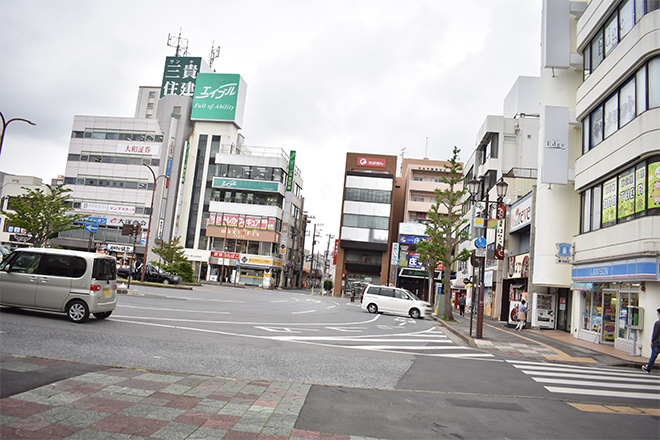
x,y
654,185
554,160
371,162
219,97
180,75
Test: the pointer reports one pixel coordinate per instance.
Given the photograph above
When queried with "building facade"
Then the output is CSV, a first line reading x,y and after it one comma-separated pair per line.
x,y
366,229
617,174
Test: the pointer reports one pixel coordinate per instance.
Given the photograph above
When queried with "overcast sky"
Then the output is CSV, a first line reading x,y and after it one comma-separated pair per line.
x,y
324,77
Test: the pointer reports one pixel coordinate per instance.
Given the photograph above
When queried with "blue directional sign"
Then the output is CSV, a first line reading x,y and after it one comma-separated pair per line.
x,y
480,242
91,228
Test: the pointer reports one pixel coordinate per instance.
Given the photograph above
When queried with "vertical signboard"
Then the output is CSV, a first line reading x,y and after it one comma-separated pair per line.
x,y
179,75
292,169
627,193
640,185
395,254
499,234
555,146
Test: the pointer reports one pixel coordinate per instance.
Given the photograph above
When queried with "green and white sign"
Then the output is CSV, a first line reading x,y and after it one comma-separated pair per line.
x,y
219,97
259,185
640,182
609,202
292,169
627,193
180,75
654,185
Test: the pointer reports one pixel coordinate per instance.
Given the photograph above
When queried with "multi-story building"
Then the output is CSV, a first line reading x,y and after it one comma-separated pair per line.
x,y
617,173
366,220
506,148
147,102
11,187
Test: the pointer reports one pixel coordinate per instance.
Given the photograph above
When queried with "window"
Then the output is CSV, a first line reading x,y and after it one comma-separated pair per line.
x,y
611,115
152,94
585,134
417,199
609,202
112,136
640,79
586,62
77,134
368,195
640,185
597,126
58,265
654,81
98,135
626,195
26,263
597,50
150,105
627,106
626,17
73,157
611,34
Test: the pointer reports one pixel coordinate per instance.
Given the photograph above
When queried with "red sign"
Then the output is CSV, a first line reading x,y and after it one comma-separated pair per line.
x,y
334,258
371,162
228,255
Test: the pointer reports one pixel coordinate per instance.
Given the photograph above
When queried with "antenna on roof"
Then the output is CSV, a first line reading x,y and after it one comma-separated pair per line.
x,y
215,53
178,43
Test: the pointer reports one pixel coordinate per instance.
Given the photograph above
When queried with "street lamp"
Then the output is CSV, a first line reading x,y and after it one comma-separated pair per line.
x,y
474,186
6,123
153,194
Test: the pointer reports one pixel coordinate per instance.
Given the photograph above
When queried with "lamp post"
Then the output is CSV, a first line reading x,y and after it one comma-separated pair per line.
x,y
474,187
6,123
153,194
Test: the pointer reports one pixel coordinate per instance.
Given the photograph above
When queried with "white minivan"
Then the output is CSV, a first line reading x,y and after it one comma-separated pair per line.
x,y
389,299
73,282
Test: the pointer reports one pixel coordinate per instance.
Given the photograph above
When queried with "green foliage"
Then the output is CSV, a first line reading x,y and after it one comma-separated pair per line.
x,y
43,213
446,229
182,268
327,285
170,252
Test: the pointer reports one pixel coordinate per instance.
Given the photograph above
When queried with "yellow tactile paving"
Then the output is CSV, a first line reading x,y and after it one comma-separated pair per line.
x,y
611,409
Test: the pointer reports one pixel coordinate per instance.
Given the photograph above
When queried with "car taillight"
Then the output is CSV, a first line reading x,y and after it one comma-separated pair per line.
x,y
114,287
94,288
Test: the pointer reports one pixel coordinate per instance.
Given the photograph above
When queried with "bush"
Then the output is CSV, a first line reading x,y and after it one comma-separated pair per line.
x,y
182,268
327,285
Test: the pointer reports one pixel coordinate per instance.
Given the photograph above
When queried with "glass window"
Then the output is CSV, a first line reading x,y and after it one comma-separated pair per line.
x,y
253,248
26,263
69,180
652,5
155,162
586,62
95,158
73,157
654,82
639,9
611,115
88,135
626,207
98,135
597,126
235,171
640,80
91,182
135,161
609,202
57,265
627,106
159,138
121,159
112,136
125,137
585,134
77,134
139,137
596,211
626,17
278,174
84,157
597,50
131,184
108,159
586,211
640,185
611,34
241,246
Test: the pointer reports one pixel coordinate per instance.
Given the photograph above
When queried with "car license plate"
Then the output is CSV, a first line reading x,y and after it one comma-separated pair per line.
x,y
106,292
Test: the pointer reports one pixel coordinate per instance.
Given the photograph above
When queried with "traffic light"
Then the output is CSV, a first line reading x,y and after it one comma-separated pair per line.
x,y
128,229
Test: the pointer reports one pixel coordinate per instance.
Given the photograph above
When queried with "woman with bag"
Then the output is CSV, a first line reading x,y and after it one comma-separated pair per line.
x,y
522,316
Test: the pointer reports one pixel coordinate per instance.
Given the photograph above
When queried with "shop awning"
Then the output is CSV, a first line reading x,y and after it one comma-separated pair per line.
x,y
518,286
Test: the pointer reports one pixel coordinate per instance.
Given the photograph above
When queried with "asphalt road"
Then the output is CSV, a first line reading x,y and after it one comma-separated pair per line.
x,y
374,375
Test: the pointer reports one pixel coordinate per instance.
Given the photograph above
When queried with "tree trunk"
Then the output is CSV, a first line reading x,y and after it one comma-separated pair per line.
x,y
446,290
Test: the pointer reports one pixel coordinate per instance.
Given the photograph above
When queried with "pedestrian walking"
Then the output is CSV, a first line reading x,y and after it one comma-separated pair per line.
x,y
461,305
655,345
522,316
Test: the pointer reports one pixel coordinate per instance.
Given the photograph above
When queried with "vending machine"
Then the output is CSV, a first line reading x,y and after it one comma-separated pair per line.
x,y
544,310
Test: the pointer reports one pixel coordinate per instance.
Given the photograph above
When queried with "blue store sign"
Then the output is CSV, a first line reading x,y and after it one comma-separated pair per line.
x,y
636,269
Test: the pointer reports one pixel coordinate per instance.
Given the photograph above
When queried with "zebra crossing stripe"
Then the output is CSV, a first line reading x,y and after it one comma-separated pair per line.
x,y
606,393
627,386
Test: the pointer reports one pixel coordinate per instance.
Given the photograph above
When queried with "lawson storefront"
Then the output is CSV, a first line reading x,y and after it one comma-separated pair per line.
x,y
606,291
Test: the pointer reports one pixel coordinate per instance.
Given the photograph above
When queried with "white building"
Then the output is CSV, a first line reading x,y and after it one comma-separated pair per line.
x,y
617,172
11,187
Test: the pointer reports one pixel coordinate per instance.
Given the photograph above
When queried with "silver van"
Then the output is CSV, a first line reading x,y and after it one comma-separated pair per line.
x,y
76,283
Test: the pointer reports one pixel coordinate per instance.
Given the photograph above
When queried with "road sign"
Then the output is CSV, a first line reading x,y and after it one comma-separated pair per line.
x,y
91,228
480,252
480,242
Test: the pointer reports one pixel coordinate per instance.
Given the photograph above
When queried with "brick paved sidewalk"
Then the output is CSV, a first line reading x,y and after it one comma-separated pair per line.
x,y
120,403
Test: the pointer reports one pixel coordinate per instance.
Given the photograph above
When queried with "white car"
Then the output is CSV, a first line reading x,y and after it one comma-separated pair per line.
x,y
386,299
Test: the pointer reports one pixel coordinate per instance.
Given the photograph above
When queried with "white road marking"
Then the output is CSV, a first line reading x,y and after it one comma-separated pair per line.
x,y
304,311
299,324
589,392
174,310
629,386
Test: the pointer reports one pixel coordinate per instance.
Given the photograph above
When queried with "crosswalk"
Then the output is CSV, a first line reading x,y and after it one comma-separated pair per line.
x,y
431,342
590,381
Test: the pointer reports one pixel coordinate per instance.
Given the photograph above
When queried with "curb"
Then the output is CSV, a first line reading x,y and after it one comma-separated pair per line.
x,y
448,326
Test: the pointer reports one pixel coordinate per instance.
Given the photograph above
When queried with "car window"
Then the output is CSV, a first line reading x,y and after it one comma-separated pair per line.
x,y
386,291
401,294
104,269
26,263
56,265
78,267
374,290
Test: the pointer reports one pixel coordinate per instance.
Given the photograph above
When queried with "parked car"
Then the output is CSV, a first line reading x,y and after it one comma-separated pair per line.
x,y
72,282
153,274
386,299
4,252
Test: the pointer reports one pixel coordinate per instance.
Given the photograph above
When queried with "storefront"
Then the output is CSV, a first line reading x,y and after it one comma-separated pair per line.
x,y
514,286
258,271
605,291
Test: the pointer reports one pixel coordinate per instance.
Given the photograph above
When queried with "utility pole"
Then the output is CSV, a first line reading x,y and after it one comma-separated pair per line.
x,y
313,243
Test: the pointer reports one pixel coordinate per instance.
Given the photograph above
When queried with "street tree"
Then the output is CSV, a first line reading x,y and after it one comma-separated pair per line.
x,y
170,251
445,228
43,213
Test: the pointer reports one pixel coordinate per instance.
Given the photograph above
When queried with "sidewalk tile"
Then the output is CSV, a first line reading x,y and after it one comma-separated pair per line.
x,y
183,402
241,435
208,433
193,417
129,425
174,431
21,408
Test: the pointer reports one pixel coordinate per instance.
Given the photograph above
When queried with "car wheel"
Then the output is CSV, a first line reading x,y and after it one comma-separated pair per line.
x,y
372,308
102,315
414,314
77,311
166,281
